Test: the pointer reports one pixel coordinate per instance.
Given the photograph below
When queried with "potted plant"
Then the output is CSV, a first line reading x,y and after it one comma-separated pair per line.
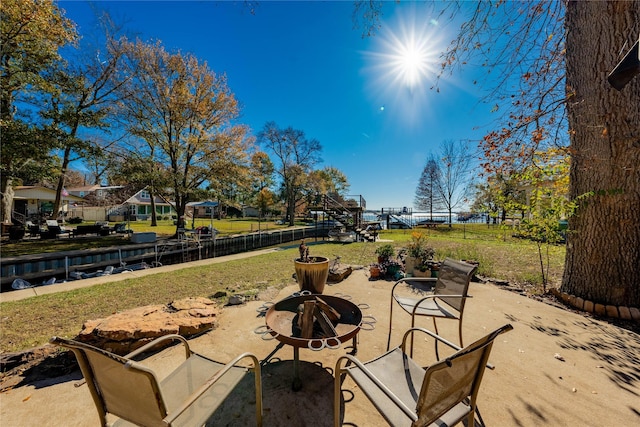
x,y
385,252
393,269
311,272
418,254
375,271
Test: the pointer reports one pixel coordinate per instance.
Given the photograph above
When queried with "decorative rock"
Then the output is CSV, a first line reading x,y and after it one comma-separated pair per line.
x,y
635,313
625,313
578,303
612,311
191,303
236,300
123,332
600,310
565,297
588,306
339,274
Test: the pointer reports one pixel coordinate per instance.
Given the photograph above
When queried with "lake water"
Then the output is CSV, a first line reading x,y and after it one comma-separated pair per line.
x,y
416,217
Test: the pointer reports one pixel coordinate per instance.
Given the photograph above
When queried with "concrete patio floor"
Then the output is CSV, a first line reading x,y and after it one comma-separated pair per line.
x,y
555,368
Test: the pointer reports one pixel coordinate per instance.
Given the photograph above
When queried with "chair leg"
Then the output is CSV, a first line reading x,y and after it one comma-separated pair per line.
x,y
460,331
390,323
340,377
413,324
258,384
435,329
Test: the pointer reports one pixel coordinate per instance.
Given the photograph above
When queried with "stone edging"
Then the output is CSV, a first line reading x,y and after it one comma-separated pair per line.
x,y
618,312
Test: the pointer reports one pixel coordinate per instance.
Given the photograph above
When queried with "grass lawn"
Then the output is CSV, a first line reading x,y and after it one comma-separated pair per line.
x,y
31,322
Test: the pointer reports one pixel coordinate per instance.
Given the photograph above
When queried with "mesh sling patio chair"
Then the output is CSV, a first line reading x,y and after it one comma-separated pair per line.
x,y
442,394
443,297
188,396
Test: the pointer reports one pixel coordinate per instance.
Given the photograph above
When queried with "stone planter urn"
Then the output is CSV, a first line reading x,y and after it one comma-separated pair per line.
x,y
418,273
312,275
410,263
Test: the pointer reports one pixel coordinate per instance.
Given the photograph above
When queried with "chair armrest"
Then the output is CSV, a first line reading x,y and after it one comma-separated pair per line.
x,y
442,340
408,411
434,296
212,380
431,334
157,341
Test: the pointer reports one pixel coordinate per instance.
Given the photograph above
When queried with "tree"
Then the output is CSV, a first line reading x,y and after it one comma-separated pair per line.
x,y
545,183
499,195
603,247
427,195
455,174
335,181
31,33
261,172
83,95
184,113
546,65
296,156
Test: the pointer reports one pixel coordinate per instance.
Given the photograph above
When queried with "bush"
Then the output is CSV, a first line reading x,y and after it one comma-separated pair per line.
x,y
75,220
386,251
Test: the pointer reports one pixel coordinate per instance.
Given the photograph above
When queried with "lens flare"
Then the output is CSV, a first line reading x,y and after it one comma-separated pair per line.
x,y
405,62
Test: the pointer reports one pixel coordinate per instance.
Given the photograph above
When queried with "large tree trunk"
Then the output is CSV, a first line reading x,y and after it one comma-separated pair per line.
x,y
603,248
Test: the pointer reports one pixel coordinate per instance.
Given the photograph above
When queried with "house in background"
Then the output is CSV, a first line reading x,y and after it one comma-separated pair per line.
x,y
98,192
250,211
138,207
32,201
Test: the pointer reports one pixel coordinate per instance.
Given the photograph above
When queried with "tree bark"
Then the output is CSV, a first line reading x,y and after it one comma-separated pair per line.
x,y
603,247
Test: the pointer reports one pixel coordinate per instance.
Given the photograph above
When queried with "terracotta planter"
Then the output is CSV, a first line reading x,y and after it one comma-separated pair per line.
x,y
312,276
374,271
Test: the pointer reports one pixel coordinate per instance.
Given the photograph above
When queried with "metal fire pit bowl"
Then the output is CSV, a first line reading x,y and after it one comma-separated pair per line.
x,y
281,325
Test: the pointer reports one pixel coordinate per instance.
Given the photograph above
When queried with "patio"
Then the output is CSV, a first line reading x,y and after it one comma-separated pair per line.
x,y
555,368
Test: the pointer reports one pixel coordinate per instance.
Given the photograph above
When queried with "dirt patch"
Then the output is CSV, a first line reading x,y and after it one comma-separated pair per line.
x,y
33,365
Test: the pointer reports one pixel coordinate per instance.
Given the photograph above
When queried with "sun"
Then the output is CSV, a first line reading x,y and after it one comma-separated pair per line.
x,y
411,61
408,53
405,62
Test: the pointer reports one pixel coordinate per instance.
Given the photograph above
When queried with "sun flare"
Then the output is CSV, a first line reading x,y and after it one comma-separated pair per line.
x,y
410,61
406,61
408,53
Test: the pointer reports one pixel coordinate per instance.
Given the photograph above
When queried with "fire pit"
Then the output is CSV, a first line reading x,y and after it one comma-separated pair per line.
x,y
334,321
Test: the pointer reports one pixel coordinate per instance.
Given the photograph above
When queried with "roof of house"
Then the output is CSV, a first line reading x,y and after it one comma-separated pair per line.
x,y
41,193
94,187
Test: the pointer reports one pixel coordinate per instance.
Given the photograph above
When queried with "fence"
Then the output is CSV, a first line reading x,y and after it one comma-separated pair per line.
x,y
35,268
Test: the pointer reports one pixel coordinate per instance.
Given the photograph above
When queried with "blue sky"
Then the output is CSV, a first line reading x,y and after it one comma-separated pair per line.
x,y
302,64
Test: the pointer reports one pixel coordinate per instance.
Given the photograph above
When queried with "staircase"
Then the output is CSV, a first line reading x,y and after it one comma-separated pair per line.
x,y
348,212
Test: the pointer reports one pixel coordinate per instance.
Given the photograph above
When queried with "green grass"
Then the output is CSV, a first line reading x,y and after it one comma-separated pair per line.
x,y
31,322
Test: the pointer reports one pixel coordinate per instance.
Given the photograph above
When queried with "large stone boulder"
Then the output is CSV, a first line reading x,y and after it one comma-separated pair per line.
x,y
126,331
339,273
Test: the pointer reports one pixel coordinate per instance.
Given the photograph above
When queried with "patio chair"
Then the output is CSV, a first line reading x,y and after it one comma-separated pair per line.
x,y
439,298
442,394
188,396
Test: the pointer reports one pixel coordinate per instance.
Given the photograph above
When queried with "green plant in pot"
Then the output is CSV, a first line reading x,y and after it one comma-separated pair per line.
x,y
419,254
311,271
385,252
